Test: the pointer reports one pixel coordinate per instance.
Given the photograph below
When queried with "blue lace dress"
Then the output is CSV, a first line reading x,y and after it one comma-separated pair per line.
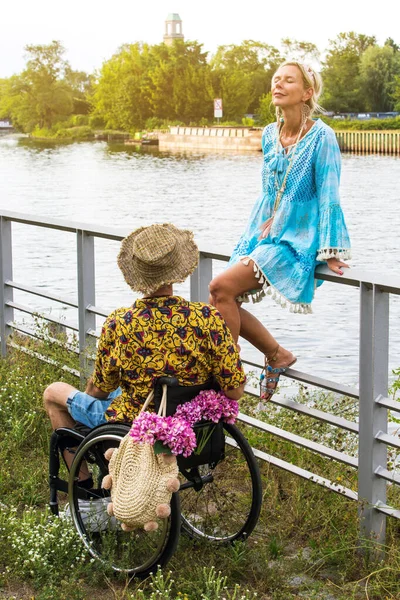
x,y
308,227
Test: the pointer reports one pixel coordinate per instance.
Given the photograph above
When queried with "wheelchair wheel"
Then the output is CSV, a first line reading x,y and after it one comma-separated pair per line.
x,y
222,502
134,553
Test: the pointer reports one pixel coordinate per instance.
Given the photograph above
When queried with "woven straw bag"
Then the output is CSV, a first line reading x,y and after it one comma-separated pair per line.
x,y
141,481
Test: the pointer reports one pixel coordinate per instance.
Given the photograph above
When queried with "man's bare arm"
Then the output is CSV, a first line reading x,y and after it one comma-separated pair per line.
x,y
235,394
94,391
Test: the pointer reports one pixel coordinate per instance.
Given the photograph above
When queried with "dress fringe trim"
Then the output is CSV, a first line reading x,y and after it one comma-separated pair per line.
x,y
327,253
269,290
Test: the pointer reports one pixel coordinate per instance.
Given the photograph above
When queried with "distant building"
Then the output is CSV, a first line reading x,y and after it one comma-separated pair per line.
x,y
173,29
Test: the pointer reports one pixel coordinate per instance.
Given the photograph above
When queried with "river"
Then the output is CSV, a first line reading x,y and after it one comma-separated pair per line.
x,y
212,194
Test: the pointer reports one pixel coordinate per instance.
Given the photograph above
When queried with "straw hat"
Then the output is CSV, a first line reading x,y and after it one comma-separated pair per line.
x,y
158,255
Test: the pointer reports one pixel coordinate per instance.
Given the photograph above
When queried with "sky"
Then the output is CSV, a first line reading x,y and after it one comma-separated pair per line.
x,y
92,31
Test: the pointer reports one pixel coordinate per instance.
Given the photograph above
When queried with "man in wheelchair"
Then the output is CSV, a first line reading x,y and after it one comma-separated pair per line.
x,y
159,335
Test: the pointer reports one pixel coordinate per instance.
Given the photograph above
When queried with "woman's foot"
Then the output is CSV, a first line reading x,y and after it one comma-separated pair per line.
x,y
280,358
275,364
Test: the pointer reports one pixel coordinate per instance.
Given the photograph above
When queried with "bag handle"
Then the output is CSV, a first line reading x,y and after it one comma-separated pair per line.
x,y
162,411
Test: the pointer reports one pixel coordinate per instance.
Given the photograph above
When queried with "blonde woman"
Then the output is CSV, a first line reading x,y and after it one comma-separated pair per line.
x,y
296,224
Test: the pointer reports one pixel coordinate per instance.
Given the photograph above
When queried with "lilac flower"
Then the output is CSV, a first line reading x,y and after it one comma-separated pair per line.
x,y
173,432
210,406
176,432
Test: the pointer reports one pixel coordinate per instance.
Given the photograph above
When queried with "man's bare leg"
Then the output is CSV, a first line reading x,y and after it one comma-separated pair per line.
x,y
55,402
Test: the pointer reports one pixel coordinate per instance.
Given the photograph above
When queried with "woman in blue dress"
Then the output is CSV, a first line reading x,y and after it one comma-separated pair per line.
x,y
296,224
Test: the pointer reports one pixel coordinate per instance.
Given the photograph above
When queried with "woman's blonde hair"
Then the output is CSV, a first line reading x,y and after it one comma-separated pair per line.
x,y
311,79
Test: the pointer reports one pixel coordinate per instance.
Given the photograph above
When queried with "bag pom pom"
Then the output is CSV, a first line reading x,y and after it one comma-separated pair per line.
x,y
150,526
126,527
162,511
110,509
173,484
107,482
108,453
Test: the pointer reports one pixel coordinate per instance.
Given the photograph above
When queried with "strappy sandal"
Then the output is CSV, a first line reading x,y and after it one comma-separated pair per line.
x,y
270,375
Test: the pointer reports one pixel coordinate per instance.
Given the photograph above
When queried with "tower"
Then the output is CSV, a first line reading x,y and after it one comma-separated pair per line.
x,y
173,29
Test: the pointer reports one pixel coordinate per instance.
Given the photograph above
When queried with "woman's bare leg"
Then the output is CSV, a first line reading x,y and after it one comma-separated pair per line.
x,y
224,289
253,331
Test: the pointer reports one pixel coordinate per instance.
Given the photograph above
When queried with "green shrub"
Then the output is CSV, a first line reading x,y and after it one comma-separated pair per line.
x,y
367,125
96,122
266,110
79,120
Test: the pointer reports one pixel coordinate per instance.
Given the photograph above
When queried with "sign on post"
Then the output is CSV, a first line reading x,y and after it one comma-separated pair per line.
x,y
218,108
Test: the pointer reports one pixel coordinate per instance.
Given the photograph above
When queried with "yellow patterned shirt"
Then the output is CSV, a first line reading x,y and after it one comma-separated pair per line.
x,y
165,335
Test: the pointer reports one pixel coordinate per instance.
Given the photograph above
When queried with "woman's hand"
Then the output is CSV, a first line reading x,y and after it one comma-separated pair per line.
x,y
336,265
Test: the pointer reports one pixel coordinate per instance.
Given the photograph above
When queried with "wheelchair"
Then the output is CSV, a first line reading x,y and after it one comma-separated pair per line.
x,y
219,499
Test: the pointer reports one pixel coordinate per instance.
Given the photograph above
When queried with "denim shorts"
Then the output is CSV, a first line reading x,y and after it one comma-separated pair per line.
x,y
88,410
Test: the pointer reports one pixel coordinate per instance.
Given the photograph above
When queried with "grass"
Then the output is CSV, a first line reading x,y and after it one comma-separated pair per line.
x,y
305,545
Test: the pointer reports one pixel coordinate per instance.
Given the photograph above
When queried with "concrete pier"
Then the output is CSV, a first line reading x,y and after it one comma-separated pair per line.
x,y
216,138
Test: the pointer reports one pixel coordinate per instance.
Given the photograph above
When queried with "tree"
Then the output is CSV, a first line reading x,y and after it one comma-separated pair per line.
x,y
378,68
82,87
341,73
395,95
242,74
300,51
39,96
266,110
166,82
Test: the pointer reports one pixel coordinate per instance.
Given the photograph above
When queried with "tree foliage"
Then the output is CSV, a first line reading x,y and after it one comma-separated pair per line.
x,y
242,75
341,74
141,81
144,83
45,92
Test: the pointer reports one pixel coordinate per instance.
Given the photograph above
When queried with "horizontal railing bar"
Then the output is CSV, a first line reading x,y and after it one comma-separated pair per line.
x,y
332,386
43,358
97,310
26,309
32,333
352,277
64,225
391,476
300,441
355,278
326,384
388,510
386,403
388,439
38,292
295,470
310,412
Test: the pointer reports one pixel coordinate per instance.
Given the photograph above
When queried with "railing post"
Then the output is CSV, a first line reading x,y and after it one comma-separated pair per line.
x,y
86,296
6,293
373,375
200,280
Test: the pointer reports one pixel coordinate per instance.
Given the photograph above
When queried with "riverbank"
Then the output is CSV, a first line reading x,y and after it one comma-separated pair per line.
x,y
305,545
249,139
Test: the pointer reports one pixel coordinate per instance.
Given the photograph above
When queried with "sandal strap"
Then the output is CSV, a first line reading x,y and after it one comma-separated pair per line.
x,y
278,370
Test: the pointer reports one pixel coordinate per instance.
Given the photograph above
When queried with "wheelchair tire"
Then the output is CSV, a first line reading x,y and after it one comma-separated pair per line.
x,y
226,505
136,553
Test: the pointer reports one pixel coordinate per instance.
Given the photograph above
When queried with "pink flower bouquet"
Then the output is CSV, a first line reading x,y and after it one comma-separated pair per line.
x,y
175,434
208,405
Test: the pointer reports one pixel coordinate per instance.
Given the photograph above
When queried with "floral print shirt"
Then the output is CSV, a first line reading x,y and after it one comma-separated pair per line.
x,y
158,336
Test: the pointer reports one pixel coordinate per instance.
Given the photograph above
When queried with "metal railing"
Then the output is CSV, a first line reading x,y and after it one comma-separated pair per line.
x,y
372,422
